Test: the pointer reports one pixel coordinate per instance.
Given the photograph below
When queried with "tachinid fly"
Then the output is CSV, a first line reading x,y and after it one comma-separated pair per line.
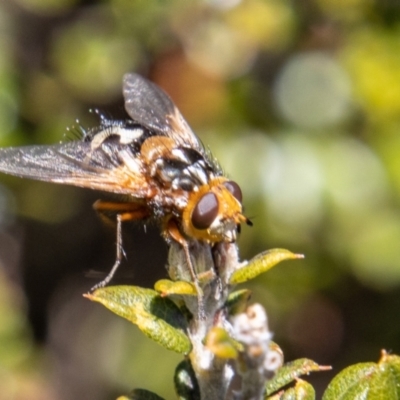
x,y
153,159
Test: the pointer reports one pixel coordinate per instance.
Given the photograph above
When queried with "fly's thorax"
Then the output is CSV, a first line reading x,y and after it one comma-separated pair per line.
x,y
214,212
175,166
156,147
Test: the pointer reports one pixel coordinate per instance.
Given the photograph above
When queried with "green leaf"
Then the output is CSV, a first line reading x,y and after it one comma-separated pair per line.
x,y
237,301
157,317
186,385
302,391
290,371
261,263
141,394
167,287
367,381
220,343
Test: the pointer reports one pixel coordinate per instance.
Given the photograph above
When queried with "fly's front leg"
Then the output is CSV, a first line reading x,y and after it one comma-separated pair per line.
x,y
124,212
175,233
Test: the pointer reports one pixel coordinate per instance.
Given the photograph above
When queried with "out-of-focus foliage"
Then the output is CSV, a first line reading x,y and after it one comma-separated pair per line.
x,y
20,376
299,101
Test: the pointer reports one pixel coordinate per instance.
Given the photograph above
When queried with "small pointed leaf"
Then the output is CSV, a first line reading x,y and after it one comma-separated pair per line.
x,y
220,343
157,317
367,380
290,371
167,287
141,394
302,391
186,385
262,263
237,301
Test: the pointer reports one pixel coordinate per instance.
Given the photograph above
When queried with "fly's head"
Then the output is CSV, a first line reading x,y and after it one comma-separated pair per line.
x,y
214,212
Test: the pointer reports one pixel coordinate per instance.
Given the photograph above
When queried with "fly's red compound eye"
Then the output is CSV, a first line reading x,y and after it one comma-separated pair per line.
x,y
234,188
205,212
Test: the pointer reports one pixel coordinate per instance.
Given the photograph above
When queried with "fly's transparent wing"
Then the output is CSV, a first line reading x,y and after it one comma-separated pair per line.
x,y
77,164
151,107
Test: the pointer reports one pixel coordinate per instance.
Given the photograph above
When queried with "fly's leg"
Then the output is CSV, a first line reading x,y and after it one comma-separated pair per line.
x,y
118,258
124,212
174,232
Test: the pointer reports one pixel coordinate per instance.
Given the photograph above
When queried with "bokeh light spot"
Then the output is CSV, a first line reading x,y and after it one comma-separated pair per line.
x,y
375,251
91,60
313,91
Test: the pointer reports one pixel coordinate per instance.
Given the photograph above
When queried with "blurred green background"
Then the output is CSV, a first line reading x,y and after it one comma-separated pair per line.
x,y
299,101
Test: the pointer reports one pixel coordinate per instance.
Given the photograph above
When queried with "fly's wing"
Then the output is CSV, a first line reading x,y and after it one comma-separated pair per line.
x,y
151,107
77,164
